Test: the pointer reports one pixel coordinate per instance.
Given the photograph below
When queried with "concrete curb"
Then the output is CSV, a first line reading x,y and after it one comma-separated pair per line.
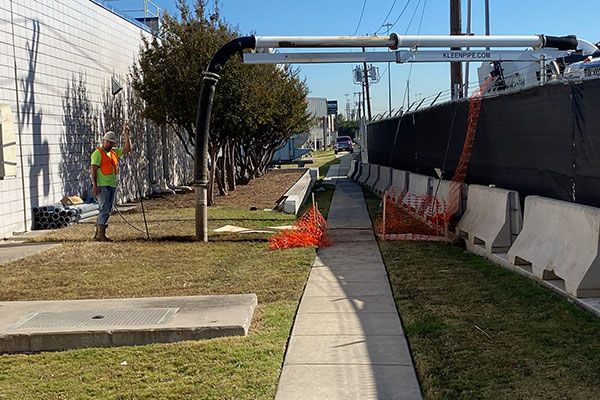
x,y
297,194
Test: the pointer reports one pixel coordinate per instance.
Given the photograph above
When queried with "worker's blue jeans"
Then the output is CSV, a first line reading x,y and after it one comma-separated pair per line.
x,y
106,198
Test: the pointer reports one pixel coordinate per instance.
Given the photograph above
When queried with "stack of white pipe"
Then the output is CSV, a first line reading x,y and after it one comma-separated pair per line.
x,y
58,216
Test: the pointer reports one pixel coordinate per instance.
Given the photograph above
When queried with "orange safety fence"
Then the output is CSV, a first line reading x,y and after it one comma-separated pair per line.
x,y
309,230
406,216
411,217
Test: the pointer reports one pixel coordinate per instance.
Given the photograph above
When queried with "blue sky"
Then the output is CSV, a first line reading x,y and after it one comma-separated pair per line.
x,y
341,17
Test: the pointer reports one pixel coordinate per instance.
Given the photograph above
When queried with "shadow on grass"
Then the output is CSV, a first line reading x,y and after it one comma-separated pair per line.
x,y
219,239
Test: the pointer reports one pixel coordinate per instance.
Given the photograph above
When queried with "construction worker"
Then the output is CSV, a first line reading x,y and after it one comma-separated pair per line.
x,y
103,172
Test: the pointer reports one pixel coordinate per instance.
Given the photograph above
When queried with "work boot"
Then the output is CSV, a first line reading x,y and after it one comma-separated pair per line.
x,y
101,235
96,233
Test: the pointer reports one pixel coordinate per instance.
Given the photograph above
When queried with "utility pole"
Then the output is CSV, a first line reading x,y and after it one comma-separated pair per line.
x,y
347,106
359,114
388,26
456,78
368,98
362,85
487,19
466,91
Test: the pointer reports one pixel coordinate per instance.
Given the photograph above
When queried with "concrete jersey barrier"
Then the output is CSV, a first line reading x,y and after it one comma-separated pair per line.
x,y
419,184
297,194
399,184
385,180
560,240
453,194
492,219
373,176
352,170
365,169
357,171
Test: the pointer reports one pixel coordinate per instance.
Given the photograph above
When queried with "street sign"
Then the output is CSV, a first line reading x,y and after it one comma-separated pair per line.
x,y
332,107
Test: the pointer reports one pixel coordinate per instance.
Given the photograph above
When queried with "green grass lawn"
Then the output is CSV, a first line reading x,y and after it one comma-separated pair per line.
x,y
171,264
478,331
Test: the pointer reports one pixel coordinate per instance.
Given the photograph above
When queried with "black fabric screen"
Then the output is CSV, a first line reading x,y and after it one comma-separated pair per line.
x,y
544,141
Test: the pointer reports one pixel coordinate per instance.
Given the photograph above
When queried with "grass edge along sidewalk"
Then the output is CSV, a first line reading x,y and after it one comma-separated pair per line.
x,y
478,331
228,368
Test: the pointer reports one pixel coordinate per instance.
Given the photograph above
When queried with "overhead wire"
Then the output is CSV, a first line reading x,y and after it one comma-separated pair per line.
x,y
386,17
361,17
401,14
408,79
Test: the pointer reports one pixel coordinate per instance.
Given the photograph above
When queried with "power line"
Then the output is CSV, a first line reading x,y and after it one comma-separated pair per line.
x,y
361,17
413,16
401,13
386,17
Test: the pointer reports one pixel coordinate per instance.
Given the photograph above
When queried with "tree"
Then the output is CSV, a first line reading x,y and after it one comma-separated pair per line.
x,y
255,108
347,128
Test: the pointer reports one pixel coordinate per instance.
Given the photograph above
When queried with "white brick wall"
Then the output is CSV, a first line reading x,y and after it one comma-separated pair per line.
x,y
56,41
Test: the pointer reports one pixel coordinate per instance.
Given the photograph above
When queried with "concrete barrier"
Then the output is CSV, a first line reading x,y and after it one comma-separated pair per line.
x,y
492,220
357,171
297,194
453,194
399,184
352,170
560,241
419,184
364,173
373,177
384,182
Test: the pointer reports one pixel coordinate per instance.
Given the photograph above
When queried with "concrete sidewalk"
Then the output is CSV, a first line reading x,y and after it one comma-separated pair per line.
x,y
17,247
347,341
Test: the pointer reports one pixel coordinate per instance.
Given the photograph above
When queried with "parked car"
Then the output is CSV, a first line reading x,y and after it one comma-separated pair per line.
x,y
344,143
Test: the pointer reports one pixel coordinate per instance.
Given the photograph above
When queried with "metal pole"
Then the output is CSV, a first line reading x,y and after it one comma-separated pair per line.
x,y
542,70
388,25
324,120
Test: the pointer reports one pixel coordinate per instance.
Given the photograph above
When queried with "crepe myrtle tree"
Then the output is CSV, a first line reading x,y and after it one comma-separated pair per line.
x,y
255,110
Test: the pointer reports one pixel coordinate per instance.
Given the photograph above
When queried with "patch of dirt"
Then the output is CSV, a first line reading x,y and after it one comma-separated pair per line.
x,y
260,193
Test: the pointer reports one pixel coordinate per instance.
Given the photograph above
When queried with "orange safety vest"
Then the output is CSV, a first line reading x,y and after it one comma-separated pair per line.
x,y
108,163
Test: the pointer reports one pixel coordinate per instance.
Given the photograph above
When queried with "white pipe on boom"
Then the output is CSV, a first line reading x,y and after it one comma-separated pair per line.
x,y
326,41
394,41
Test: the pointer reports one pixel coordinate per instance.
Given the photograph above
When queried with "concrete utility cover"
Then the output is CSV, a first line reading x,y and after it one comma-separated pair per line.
x,y
96,318
31,326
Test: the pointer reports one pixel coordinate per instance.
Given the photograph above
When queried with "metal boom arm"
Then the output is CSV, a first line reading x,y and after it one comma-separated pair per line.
x,y
406,56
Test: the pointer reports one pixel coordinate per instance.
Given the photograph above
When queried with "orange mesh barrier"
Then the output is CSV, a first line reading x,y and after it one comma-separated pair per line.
x,y
460,173
309,230
411,217
423,217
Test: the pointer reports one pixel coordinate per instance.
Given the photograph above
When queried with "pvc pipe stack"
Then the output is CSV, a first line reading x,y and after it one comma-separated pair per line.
x,y
58,216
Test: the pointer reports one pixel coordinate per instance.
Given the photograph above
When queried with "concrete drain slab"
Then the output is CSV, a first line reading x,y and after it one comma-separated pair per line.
x,y
32,326
95,318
